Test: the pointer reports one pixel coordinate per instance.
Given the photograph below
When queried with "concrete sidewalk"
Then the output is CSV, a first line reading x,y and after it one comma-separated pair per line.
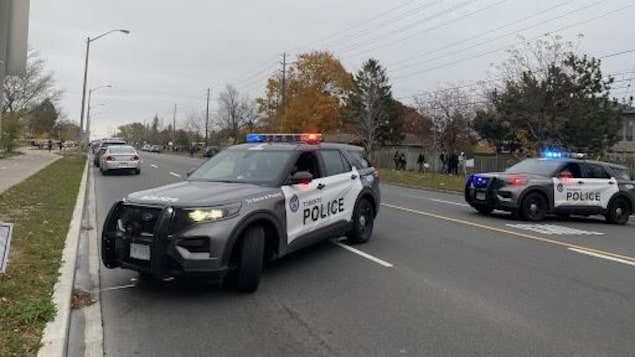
x,y
16,169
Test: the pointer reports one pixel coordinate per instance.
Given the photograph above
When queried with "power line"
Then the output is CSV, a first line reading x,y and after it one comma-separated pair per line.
x,y
618,53
504,47
415,24
487,42
481,34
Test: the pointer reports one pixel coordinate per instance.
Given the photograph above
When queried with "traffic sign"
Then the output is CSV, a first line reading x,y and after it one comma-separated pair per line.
x,y
6,229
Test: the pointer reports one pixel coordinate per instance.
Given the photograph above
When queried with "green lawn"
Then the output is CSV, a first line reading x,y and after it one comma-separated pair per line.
x,y
40,209
427,180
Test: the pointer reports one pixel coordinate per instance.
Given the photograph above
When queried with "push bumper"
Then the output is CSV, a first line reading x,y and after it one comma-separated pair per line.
x,y
198,250
491,196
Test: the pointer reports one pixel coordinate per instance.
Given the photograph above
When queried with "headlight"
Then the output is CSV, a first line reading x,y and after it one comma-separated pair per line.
x,y
206,214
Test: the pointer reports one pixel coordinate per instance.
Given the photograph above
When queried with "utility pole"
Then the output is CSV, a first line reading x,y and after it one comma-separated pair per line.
x,y
284,79
207,118
4,37
174,127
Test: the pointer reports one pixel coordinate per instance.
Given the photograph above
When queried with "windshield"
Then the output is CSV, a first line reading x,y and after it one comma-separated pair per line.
x,y
248,166
540,167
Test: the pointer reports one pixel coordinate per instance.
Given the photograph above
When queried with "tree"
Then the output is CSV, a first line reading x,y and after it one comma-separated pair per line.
x,y
28,90
371,108
133,133
234,111
317,86
492,128
558,98
415,123
42,118
66,130
450,111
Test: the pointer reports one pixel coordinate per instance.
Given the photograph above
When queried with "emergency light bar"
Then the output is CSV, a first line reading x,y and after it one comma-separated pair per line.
x,y
560,155
308,138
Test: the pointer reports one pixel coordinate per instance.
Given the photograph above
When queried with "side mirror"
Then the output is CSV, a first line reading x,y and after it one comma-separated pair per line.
x,y
301,177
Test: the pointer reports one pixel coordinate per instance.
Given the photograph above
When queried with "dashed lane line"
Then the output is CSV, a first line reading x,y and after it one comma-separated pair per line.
x,y
513,233
363,254
155,166
602,256
449,202
174,174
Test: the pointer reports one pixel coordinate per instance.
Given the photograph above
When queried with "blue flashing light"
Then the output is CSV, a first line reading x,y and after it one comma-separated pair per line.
x,y
255,138
552,155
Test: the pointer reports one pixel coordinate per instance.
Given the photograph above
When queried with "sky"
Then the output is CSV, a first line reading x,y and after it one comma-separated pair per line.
x,y
178,49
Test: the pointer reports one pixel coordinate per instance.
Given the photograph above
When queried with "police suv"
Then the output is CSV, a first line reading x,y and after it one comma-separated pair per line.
x,y
249,203
558,184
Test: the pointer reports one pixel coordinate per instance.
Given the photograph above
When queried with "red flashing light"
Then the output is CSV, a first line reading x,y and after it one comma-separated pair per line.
x,y
517,181
311,138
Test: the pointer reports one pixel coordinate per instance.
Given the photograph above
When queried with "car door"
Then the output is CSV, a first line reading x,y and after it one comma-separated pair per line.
x,y
567,185
341,187
300,199
598,185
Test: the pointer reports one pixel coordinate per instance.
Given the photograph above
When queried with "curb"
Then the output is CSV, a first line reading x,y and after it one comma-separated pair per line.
x,y
431,189
54,340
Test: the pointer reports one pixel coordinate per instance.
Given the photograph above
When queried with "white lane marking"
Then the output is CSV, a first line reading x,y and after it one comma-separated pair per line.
x,y
450,202
128,286
552,229
602,256
365,255
155,166
174,174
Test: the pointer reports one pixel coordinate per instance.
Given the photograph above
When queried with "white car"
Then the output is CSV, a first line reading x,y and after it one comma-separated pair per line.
x,y
120,157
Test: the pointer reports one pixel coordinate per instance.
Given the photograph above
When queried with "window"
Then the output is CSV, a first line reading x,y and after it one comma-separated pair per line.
x,y
359,159
594,171
334,162
121,149
571,170
307,162
621,173
542,167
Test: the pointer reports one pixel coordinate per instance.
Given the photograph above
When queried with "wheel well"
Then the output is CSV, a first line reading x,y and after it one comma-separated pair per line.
x,y
540,192
272,239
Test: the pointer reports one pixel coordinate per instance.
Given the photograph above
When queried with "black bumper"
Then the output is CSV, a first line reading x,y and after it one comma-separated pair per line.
x,y
490,195
154,227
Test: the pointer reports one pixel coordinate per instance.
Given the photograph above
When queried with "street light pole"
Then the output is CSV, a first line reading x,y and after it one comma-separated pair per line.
x,y
90,94
88,41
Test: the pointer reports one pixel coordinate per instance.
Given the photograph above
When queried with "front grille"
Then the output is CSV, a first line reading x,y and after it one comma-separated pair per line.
x,y
138,221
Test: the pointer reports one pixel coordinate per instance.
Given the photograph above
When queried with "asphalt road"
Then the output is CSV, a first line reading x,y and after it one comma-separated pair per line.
x,y
448,282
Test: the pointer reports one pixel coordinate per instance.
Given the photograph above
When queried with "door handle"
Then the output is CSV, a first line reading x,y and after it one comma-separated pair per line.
x,y
353,177
581,182
321,186
611,183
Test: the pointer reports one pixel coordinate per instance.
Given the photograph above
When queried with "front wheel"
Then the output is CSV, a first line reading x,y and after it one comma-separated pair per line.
x,y
137,171
363,223
250,260
484,210
534,207
619,211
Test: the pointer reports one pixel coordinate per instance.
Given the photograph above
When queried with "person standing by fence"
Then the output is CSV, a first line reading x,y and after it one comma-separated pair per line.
x,y
420,162
396,158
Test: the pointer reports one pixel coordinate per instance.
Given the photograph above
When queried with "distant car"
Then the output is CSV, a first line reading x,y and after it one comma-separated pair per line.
x,y
146,147
118,158
536,187
210,151
155,148
103,146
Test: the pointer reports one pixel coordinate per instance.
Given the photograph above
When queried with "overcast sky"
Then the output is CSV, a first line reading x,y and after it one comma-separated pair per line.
x,y
177,49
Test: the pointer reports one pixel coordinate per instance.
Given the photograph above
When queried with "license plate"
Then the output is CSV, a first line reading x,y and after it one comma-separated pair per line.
x,y
139,251
480,196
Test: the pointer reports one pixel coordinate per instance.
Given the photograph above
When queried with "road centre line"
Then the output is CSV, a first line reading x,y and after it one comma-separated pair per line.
x,y
602,256
362,254
517,234
174,174
155,166
450,202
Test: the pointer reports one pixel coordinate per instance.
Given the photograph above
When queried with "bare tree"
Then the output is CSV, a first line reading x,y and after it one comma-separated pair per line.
x,y
195,123
450,111
235,111
35,86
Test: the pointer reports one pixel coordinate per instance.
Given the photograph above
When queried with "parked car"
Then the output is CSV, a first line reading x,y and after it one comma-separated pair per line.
x,y
155,148
210,151
118,158
146,147
105,144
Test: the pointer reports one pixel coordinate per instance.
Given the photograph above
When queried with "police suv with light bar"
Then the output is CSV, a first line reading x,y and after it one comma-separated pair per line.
x,y
249,203
559,183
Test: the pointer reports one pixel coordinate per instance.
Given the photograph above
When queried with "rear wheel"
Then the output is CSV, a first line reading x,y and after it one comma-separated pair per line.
x,y
534,207
363,223
619,211
137,171
250,260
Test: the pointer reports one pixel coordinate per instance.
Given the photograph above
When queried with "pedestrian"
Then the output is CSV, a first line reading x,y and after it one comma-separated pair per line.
x,y
421,160
61,144
192,150
395,158
402,161
50,145
444,161
453,166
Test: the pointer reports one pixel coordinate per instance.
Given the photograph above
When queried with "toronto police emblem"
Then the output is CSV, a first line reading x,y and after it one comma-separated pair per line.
x,y
560,187
294,203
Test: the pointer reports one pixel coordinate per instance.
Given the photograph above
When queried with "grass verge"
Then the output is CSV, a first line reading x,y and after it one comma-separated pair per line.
x,y
427,180
40,209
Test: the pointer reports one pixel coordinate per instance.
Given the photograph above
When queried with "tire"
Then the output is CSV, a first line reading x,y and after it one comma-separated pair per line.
x,y
103,172
137,171
363,222
484,210
250,260
534,207
619,211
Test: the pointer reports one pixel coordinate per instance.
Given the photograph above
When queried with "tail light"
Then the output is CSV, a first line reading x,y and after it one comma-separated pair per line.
x,y
110,158
135,158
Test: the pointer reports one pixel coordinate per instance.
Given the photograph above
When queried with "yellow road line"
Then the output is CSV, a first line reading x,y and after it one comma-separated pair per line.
x,y
517,234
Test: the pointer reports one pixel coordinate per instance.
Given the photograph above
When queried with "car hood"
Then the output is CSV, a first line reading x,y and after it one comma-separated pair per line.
x,y
503,175
193,193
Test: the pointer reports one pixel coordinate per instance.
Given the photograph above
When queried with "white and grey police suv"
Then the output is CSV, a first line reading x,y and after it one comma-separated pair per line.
x,y
557,185
250,203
